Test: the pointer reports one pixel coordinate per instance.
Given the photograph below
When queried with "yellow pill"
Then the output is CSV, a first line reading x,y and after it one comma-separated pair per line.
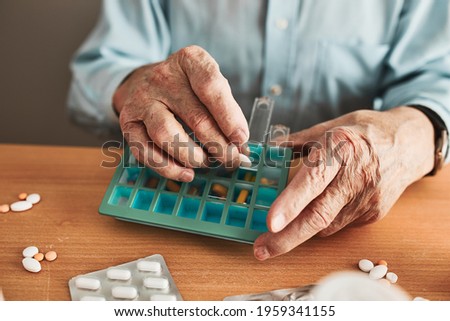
x,y
4,208
153,182
382,262
173,186
23,196
219,190
51,256
242,196
248,177
38,257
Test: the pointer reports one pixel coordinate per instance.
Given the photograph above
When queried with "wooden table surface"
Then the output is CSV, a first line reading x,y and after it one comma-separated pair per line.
x,y
413,238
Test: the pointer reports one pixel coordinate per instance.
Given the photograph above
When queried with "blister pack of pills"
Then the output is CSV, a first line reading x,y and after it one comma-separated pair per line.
x,y
146,279
291,294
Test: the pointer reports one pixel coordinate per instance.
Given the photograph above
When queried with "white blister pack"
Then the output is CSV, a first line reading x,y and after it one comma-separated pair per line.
x,y
146,279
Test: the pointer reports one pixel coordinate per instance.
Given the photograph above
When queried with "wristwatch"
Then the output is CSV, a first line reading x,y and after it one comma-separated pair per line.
x,y
440,138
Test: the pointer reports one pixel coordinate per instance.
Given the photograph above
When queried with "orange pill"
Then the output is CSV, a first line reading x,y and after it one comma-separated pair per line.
x,y
4,208
153,182
382,262
193,190
173,186
264,181
51,256
242,196
38,257
248,177
219,190
23,196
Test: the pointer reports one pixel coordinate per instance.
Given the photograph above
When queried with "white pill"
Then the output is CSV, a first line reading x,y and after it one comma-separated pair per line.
x,y
31,265
384,282
87,283
34,198
118,274
21,206
419,298
245,161
92,298
163,297
149,266
30,251
124,292
365,265
392,277
156,283
378,272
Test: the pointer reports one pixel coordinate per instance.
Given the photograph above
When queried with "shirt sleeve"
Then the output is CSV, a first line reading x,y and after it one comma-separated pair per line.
x,y
418,65
128,35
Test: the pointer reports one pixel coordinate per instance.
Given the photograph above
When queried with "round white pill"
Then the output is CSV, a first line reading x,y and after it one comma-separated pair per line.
x,y
378,272
124,292
31,264
87,283
245,161
163,297
30,251
149,266
118,274
21,206
419,298
365,265
392,277
156,283
34,198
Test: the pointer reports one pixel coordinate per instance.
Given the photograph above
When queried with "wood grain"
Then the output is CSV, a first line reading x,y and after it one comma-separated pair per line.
x,y
413,238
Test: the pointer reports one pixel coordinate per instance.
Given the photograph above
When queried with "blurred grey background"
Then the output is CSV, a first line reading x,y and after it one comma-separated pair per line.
x,y
38,39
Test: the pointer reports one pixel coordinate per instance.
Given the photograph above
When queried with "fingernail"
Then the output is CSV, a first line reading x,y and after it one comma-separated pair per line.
x,y
238,136
261,253
278,223
186,176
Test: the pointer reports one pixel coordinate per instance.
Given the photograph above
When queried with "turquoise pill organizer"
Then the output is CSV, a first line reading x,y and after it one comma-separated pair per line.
x,y
141,195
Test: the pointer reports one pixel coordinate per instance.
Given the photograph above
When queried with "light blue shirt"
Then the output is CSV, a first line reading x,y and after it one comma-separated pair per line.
x,y
318,59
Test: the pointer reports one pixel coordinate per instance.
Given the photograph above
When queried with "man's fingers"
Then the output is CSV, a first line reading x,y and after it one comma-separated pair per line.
x,y
214,92
317,216
170,136
149,154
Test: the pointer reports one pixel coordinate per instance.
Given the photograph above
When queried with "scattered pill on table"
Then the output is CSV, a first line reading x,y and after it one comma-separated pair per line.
x,y
365,265
21,206
382,262
51,256
378,272
31,264
419,298
4,208
124,292
245,161
30,251
33,198
38,257
87,283
22,196
392,277
384,282
156,283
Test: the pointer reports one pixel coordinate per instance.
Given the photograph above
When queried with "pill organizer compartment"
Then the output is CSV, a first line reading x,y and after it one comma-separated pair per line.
x,y
275,156
208,205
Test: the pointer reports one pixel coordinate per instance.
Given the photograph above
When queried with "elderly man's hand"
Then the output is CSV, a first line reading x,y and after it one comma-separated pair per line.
x,y
187,86
357,167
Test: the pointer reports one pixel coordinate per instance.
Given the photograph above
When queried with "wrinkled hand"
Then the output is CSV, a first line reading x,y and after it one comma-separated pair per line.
x,y
187,86
357,167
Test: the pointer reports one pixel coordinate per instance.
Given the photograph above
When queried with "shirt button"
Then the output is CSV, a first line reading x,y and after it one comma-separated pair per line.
x,y
276,90
282,24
